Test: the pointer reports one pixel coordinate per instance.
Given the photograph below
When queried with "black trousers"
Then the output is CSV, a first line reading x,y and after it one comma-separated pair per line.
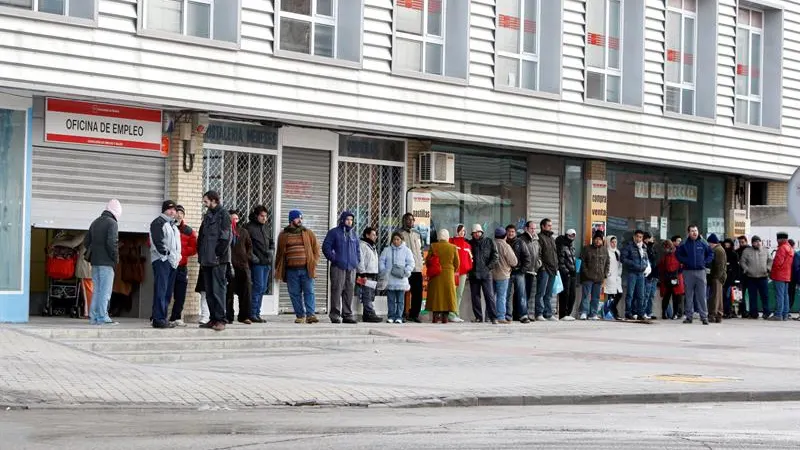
x,y
415,280
744,283
475,288
241,286
792,294
214,282
677,303
566,299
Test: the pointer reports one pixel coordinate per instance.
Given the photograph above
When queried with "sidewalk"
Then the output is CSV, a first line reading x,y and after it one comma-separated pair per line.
x,y
456,364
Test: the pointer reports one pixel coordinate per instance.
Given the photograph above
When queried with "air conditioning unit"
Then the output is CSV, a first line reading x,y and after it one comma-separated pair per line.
x,y
437,168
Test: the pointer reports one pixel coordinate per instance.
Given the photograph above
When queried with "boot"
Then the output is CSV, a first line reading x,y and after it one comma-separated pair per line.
x,y
371,317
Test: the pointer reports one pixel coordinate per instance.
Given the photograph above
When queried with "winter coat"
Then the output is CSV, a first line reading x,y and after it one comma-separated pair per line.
x,y
165,241
548,252
595,265
566,256
413,241
263,247
241,249
614,279
310,244
634,259
188,243
368,264
341,246
523,256
782,265
754,262
442,288
464,254
534,250
506,261
733,270
652,258
102,240
399,256
796,267
669,268
213,242
694,254
719,265
484,258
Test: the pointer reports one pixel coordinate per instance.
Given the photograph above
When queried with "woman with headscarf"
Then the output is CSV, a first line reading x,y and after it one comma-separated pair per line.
x,y
732,271
464,266
442,287
613,285
669,273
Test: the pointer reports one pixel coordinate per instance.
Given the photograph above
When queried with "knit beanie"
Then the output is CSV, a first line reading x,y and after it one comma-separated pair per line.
x,y
115,208
713,239
500,232
295,214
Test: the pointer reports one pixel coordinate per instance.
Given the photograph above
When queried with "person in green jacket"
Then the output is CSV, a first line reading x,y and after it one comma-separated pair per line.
x,y
595,268
719,273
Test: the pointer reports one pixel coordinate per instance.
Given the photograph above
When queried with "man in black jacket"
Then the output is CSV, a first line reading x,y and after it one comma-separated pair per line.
x,y
743,281
102,246
263,251
565,245
485,258
546,276
213,250
524,265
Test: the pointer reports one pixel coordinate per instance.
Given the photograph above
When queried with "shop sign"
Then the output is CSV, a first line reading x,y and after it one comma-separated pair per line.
x,y
664,227
739,221
658,190
102,124
642,189
296,190
241,135
419,203
691,193
716,225
654,222
597,192
682,192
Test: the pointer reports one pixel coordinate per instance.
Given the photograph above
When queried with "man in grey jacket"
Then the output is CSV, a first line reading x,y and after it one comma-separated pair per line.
x,y
755,266
532,241
165,254
102,247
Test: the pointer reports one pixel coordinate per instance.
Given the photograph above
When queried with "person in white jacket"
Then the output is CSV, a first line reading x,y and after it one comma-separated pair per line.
x,y
396,264
165,254
613,285
367,275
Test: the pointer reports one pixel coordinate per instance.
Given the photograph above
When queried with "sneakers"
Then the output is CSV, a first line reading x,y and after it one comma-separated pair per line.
x,y
179,323
503,322
457,319
594,318
583,316
647,317
687,320
540,318
162,325
705,321
300,320
525,320
554,319
635,317
568,319
371,318
397,321
774,318
312,319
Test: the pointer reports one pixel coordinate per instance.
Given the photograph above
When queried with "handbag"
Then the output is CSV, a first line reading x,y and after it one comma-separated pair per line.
x,y
397,271
434,265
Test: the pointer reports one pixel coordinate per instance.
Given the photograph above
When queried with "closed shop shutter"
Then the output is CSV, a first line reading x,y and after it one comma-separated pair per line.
x,y
72,187
544,199
306,186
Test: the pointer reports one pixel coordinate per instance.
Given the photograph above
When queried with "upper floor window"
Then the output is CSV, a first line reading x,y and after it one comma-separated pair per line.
x,y
517,43
432,37
81,9
680,69
749,60
207,19
323,28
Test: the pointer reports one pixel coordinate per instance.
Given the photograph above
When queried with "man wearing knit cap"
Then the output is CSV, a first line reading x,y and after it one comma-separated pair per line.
x,y
188,249
755,265
484,260
781,275
595,268
165,254
102,246
296,260
718,276
502,273
567,267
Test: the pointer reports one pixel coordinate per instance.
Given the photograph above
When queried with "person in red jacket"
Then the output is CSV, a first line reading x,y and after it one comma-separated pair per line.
x,y
671,282
465,265
188,249
781,275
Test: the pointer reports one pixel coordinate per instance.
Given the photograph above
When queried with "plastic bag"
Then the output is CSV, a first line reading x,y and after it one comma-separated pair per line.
x,y
558,285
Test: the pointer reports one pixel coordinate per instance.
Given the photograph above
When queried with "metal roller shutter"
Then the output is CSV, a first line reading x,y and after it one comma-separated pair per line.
x,y
71,188
544,199
306,186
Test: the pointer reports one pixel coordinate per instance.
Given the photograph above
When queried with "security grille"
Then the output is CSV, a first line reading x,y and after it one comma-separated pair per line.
x,y
374,194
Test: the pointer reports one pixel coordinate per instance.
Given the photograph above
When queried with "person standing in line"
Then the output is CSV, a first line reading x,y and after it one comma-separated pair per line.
x,y
672,288
214,250
635,261
795,277
413,241
188,249
396,265
651,281
367,275
263,252
502,273
241,259
102,245
343,251
567,266
296,260
532,242
517,300
485,259
755,266
743,280
732,278
781,275
696,256
595,268
165,254
442,288
464,267
717,277
613,286
546,276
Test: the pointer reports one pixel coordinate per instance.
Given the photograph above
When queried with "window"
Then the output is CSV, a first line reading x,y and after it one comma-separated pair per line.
x,y
81,9
431,37
207,19
322,28
680,69
749,59
13,130
517,43
758,193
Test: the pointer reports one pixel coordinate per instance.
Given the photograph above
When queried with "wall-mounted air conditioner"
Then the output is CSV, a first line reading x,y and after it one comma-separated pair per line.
x,y
437,168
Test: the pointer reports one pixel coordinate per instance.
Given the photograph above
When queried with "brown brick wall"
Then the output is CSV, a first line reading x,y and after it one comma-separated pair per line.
x,y
777,193
596,170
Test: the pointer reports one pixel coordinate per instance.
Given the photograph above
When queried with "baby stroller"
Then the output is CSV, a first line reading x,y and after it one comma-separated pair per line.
x,y
63,290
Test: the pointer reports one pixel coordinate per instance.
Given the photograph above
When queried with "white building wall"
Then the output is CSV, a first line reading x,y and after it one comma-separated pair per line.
x,y
112,62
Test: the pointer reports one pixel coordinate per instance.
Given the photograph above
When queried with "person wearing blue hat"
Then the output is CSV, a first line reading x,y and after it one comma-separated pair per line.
x,y
719,274
296,260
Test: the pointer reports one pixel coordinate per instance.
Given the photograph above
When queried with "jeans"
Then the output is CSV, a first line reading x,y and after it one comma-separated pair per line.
x,y
590,289
758,288
727,302
476,286
500,290
103,280
634,297
301,291
179,293
260,275
366,296
695,282
781,299
520,297
396,302
544,293
530,292
650,286
163,286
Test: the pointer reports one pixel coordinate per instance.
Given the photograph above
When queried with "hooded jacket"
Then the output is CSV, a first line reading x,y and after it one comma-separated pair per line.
x,y
484,258
213,242
188,243
596,264
413,241
102,240
165,241
532,242
549,254
505,262
614,279
782,265
341,246
566,255
368,264
397,256
754,262
263,247
732,260
669,272
719,265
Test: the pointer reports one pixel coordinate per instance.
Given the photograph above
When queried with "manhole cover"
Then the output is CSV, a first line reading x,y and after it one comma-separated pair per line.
x,y
687,378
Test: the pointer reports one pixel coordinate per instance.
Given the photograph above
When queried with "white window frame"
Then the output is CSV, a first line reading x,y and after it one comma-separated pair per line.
x,y
748,97
45,16
185,18
314,19
609,70
183,36
425,39
683,85
522,55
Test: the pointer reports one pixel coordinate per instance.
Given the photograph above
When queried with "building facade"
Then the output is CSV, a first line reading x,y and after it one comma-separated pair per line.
x,y
672,106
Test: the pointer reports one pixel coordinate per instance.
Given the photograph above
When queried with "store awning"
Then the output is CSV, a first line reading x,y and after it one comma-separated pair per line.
x,y
454,198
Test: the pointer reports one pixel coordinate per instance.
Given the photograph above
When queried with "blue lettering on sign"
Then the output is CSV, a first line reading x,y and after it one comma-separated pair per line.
x,y
242,135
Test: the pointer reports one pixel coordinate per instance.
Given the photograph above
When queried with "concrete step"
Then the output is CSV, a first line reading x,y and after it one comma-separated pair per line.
x,y
192,332
203,355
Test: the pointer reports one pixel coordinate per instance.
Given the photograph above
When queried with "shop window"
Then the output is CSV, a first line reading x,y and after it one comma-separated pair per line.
x,y
614,51
759,43
217,20
432,37
328,29
370,148
758,193
79,9
13,128
574,189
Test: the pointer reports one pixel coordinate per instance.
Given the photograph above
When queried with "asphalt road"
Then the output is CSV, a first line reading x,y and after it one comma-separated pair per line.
x,y
677,426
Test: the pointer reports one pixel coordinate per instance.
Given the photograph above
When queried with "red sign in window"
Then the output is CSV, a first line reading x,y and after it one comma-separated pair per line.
x,y
412,4
435,6
673,55
595,39
510,22
741,69
530,26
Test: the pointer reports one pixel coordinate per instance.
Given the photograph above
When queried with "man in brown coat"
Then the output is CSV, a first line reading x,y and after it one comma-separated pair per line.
x,y
296,262
239,281
719,273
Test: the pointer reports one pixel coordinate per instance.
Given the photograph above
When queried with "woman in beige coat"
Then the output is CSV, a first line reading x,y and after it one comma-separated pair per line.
x,y
502,273
442,288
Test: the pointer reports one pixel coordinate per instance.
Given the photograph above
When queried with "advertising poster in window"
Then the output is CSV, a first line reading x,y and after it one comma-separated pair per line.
x,y
598,204
691,193
658,190
739,222
419,203
676,192
642,189
716,225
